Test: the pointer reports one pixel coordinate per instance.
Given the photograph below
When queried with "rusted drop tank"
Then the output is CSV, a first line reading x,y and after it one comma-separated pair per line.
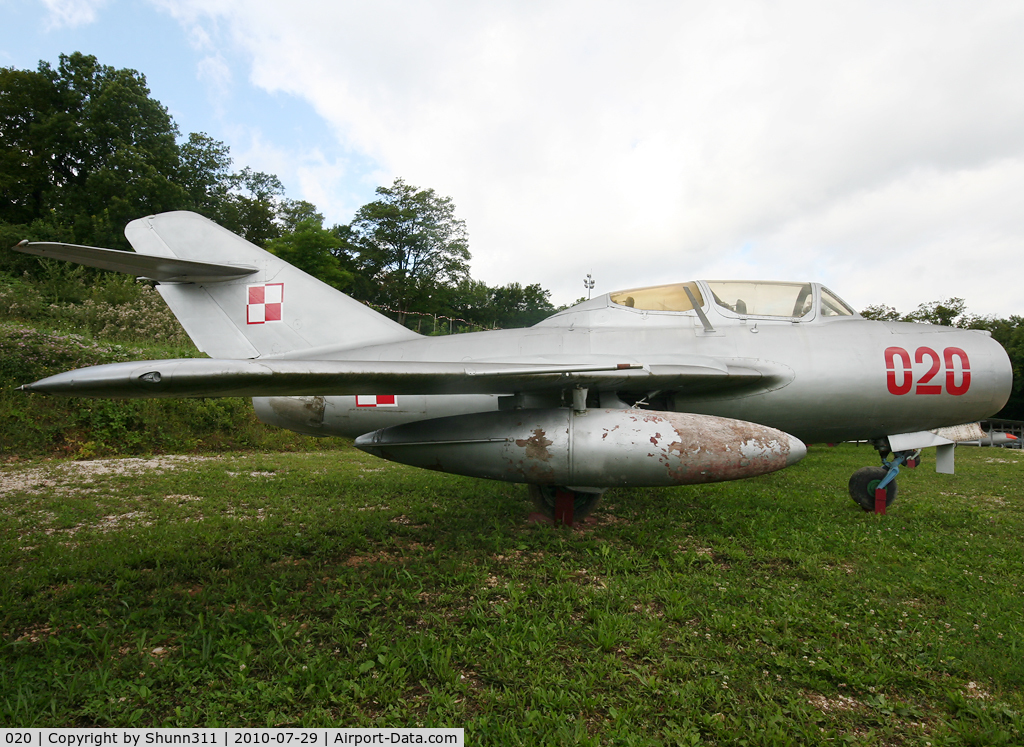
x,y
596,448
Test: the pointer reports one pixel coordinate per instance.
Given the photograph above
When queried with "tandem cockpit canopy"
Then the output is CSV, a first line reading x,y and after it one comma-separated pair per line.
x,y
739,297
660,297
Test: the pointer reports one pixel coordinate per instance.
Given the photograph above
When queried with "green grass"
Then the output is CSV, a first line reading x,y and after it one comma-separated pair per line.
x,y
331,588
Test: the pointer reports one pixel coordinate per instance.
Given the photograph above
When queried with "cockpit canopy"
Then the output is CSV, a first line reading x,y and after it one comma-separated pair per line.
x,y
740,297
659,297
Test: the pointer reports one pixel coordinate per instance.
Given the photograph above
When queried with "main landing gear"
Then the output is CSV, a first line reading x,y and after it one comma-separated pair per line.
x,y
874,488
561,505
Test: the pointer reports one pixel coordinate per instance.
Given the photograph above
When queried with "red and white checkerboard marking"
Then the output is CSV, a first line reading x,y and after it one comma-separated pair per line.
x,y
266,303
376,400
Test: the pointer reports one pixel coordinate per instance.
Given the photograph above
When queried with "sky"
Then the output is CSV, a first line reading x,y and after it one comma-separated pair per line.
x,y
877,147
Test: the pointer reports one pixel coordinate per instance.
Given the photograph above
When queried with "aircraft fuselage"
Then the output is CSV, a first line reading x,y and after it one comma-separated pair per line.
x,y
823,378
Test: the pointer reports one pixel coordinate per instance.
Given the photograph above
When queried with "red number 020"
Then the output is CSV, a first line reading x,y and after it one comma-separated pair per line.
x,y
900,376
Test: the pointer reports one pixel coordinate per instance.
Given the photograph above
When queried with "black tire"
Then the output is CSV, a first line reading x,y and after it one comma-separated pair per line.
x,y
543,497
863,484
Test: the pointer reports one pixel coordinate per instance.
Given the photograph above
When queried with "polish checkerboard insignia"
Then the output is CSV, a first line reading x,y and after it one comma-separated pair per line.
x,y
265,303
376,400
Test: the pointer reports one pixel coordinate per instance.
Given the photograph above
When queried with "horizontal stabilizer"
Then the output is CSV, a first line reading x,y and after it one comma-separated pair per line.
x,y
164,269
204,377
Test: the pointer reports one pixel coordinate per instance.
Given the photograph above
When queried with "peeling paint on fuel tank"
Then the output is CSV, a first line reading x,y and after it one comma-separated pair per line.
x,y
536,445
719,458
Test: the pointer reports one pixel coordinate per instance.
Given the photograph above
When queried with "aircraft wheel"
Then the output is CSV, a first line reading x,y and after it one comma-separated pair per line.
x,y
544,497
863,484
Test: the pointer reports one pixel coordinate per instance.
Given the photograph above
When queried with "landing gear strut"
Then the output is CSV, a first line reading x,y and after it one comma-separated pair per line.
x,y
562,505
874,488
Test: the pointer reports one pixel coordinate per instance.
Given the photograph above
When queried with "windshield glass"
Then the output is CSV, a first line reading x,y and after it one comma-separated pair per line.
x,y
763,298
659,297
833,305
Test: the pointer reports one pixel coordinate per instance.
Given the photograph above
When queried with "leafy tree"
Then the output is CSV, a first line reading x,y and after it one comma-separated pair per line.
x,y
306,244
952,312
26,100
205,172
410,247
468,300
101,150
87,149
514,305
949,313
252,206
293,212
882,313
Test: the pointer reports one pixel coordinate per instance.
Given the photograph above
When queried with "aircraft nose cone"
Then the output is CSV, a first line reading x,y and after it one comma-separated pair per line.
x,y
797,451
1002,377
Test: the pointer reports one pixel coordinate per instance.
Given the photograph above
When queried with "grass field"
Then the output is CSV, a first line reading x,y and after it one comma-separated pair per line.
x,y
328,588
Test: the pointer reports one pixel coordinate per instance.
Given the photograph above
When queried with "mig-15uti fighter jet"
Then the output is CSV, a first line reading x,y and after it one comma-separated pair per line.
x,y
676,384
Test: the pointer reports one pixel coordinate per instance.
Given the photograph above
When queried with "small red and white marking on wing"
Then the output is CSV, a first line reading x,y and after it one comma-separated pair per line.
x,y
376,400
265,303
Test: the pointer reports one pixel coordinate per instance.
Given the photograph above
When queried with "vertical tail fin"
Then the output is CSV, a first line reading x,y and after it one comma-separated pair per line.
x,y
277,310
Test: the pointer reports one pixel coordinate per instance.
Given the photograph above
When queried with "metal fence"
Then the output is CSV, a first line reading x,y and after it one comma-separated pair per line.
x,y
1013,427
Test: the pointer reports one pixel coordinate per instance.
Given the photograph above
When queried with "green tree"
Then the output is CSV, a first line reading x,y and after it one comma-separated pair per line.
x,y
252,206
306,244
27,100
205,173
112,149
293,212
85,146
467,300
86,149
882,313
514,305
410,247
951,312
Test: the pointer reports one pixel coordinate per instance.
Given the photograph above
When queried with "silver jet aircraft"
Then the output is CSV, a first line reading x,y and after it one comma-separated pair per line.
x,y
684,383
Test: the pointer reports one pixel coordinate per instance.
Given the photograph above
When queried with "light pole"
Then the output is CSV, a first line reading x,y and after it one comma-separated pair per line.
x,y
588,283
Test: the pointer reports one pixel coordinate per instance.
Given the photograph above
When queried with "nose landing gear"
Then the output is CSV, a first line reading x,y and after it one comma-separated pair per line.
x,y
874,488
866,483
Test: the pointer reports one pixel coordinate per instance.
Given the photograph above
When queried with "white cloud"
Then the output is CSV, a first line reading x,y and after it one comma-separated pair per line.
x,y
311,175
215,72
928,235
71,13
877,146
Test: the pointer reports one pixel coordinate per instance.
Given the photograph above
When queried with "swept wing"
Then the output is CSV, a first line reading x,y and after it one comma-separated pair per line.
x,y
199,377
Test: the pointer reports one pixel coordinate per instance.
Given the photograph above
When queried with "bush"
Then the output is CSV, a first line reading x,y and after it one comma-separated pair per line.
x,y
27,354
38,425
111,307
